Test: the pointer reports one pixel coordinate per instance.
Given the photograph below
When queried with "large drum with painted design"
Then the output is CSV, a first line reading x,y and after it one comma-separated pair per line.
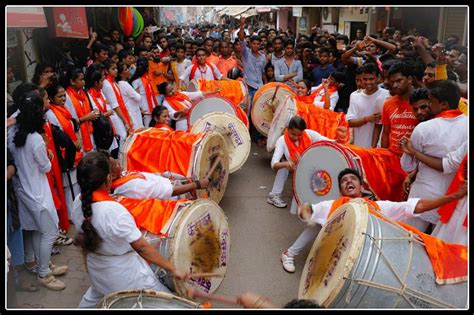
x,y
145,299
315,177
360,260
191,155
266,101
197,240
235,133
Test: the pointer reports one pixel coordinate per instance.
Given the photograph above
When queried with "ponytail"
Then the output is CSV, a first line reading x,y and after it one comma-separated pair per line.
x,y
92,172
31,117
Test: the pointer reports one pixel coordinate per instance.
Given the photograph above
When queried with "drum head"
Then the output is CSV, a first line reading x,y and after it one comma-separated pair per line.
x,y
207,105
263,109
193,86
235,133
201,244
212,151
334,253
280,121
147,299
315,177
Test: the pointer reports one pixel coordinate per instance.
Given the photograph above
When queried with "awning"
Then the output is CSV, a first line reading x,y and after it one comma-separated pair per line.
x,y
31,17
234,11
249,13
266,9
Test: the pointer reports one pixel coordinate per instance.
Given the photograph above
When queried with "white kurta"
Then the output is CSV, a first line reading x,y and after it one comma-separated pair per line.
x,y
153,186
206,75
31,183
132,101
115,265
140,89
73,112
111,99
362,105
436,137
319,100
454,231
182,122
108,107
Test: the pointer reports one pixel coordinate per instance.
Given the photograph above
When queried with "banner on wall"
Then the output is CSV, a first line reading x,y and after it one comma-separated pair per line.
x,y
69,22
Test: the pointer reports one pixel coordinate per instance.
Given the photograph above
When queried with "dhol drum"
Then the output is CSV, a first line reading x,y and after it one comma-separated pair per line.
x,y
315,177
359,260
191,155
265,102
324,121
198,240
235,133
145,299
210,104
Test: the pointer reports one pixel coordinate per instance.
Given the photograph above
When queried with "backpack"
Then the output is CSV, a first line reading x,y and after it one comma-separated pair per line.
x,y
63,142
103,132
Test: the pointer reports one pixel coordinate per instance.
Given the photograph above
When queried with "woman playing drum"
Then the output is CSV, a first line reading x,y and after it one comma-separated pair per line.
x,y
161,118
117,254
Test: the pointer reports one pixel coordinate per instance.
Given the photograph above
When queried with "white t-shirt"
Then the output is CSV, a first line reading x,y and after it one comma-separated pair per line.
x,y
319,100
206,75
361,105
282,149
152,187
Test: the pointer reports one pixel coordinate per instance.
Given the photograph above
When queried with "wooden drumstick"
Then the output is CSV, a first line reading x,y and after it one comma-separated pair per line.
x,y
214,166
274,95
207,274
191,293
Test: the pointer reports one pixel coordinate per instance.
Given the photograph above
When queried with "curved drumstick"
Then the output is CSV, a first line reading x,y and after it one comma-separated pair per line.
x,y
214,165
191,293
274,95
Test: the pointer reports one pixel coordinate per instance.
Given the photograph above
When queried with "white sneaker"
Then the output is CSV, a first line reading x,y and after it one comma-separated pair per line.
x,y
52,283
276,201
288,262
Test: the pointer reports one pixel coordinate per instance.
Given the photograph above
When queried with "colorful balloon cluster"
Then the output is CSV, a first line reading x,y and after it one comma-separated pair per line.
x,y
131,21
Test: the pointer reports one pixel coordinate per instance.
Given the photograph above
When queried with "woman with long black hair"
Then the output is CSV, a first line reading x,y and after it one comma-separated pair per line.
x,y
117,255
38,214
131,97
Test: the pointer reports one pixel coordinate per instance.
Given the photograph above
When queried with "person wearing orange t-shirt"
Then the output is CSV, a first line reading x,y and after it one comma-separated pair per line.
x,y
226,60
398,118
157,70
350,185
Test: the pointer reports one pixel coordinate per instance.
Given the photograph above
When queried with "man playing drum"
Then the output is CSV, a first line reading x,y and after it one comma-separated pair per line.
x,y
292,144
350,184
144,185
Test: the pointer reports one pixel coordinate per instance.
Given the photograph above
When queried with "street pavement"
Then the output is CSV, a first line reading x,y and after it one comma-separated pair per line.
x,y
259,233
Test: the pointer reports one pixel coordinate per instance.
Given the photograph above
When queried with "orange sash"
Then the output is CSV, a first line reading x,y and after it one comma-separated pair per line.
x,y
101,104
156,151
120,101
79,99
450,113
150,95
126,178
296,150
64,117
163,126
101,195
324,121
331,90
230,89
177,101
195,67
382,171
446,211
55,181
449,261
152,215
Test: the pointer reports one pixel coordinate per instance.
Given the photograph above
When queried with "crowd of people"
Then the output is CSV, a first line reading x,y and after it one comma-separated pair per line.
x,y
400,91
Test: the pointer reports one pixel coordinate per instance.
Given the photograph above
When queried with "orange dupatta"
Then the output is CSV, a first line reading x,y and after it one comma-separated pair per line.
x,y
449,261
78,100
150,95
450,113
120,101
55,181
161,126
176,101
98,98
101,195
64,117
446,211
296,150
331,89
126,178
230,89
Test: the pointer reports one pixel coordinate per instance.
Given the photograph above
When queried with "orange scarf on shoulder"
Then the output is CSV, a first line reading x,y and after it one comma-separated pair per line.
x,y
163,126
101,195
331,90
177,101
150,94
120,101
450,113
101,104
126,178
449,261
296,150
83,107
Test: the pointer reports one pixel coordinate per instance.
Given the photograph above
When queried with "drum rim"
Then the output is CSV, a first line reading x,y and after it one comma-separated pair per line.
x,y
352,253
117,295
313,145
180,222
188,118
291,106
257,96
195,162
246,135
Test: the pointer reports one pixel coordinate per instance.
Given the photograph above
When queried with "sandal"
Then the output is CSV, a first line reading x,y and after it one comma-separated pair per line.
x,y
33,269
27,286
63,240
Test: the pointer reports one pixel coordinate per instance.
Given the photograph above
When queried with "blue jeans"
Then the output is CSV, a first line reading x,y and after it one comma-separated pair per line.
x,y
251,94
15,242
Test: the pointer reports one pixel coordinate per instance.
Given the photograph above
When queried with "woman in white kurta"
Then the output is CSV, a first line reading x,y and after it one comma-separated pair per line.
x,y
131,97
142,86
117,254
37,212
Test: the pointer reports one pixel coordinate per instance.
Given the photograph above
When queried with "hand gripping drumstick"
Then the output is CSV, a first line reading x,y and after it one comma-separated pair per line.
x,y
191,293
